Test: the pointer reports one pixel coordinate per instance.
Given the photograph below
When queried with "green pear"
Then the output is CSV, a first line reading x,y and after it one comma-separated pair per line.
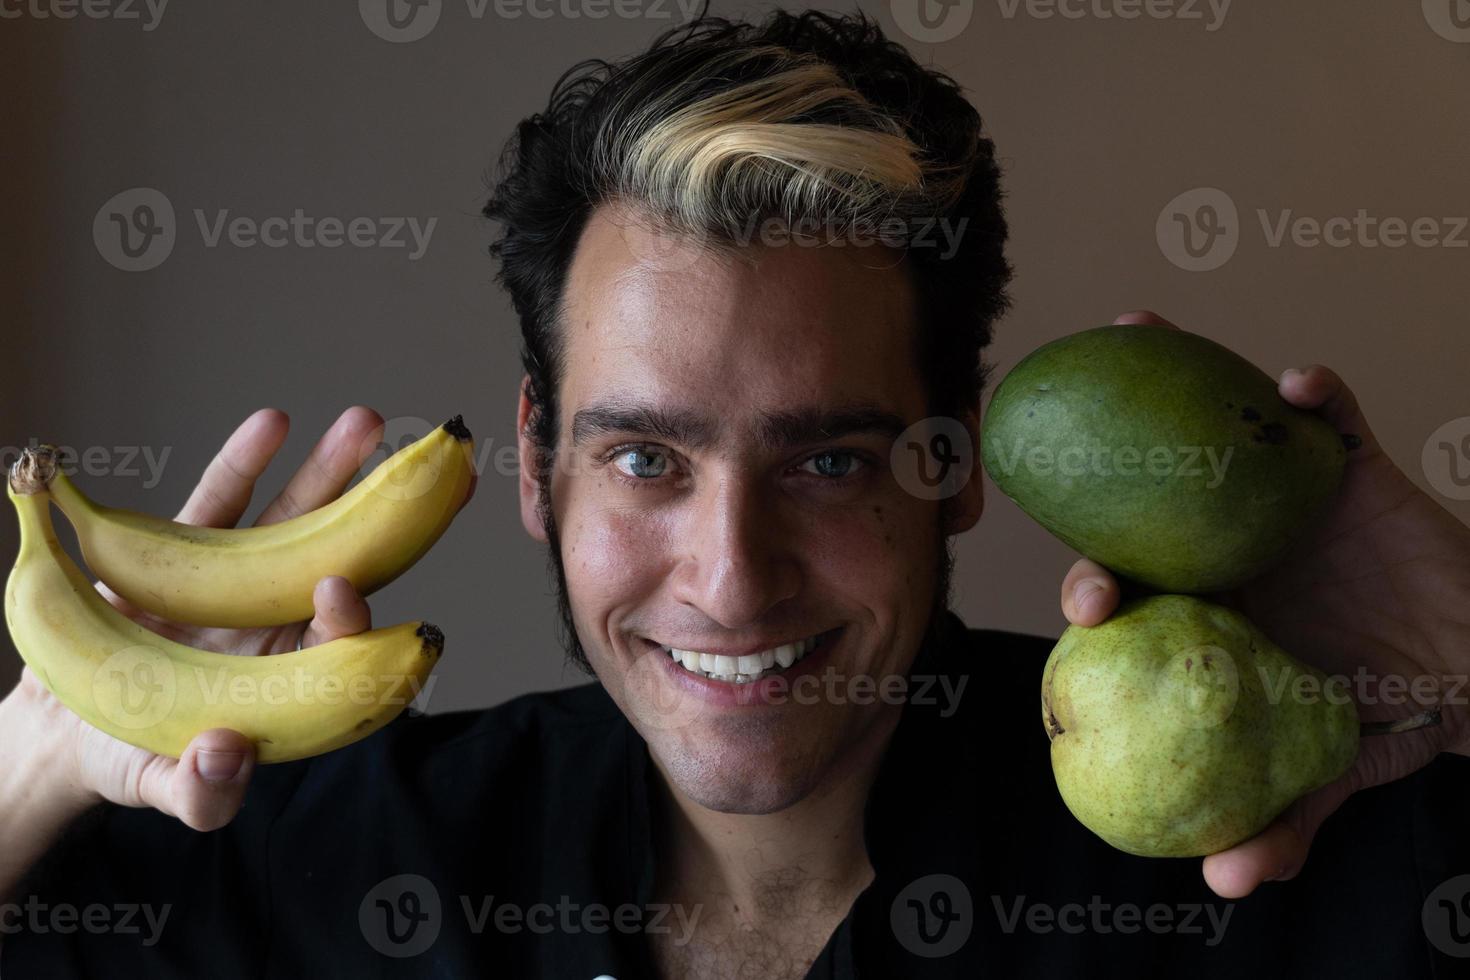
x,y
1178,729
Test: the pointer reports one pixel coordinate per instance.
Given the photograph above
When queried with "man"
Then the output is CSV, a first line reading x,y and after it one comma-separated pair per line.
x,y
706,425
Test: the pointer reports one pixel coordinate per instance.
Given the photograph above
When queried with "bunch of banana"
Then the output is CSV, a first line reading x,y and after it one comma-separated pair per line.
x,y
264,576
157,694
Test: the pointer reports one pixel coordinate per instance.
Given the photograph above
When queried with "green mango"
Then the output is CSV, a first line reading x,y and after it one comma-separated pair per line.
x,y
1161,455
1178,729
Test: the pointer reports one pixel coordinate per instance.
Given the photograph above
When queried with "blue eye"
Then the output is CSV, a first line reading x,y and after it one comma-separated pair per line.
x,y
639,469
830,470
646,464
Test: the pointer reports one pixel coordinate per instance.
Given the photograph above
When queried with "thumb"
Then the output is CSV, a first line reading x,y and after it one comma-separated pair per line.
x,y
1278,852
205,787
340,612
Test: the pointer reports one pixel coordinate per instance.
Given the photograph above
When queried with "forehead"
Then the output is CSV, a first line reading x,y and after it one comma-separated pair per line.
x,y
652,319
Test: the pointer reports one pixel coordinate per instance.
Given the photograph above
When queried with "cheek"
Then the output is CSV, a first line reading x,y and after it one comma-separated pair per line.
x,y
613,553
876,548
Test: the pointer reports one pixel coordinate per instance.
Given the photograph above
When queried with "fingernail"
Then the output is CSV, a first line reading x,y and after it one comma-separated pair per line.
x,y
1085,588
1290,371
218,767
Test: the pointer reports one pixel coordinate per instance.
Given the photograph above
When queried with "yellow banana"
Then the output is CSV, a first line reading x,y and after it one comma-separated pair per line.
x,y
157,694
264,576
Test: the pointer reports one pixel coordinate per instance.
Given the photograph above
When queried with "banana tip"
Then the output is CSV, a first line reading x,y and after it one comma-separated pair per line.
x,y
456,428
433,638
33,471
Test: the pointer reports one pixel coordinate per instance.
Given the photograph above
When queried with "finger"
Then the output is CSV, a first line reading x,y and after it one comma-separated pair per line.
x,y
1142,317
206,786
328,469
1278,852
1320,389
340,612
224,490
1089,593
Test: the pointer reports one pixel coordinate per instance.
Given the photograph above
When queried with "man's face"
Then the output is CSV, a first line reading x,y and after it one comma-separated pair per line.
x,y
723,487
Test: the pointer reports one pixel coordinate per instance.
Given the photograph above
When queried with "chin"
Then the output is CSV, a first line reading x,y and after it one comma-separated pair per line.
x,y
728,780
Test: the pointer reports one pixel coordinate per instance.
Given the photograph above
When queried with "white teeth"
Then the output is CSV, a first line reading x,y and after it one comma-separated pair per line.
x,y
745,668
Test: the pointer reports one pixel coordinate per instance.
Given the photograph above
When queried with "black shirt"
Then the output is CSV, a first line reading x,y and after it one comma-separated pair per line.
x,y
516,842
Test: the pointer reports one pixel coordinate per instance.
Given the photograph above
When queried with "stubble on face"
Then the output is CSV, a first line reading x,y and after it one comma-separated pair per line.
x,y
766,760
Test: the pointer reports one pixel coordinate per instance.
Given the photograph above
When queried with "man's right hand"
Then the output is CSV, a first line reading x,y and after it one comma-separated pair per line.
x,y
59,765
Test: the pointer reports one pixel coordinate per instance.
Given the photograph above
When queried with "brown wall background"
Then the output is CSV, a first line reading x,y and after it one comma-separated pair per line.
x,y
1318,108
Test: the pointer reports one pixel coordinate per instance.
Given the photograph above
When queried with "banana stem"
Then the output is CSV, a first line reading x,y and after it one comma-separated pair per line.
x,y
1425,719
34,470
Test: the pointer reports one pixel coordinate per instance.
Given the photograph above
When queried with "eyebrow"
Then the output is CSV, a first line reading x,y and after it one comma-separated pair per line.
x,y
774,431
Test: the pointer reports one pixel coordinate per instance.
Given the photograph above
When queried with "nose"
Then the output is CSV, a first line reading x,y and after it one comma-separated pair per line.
x,y
739,560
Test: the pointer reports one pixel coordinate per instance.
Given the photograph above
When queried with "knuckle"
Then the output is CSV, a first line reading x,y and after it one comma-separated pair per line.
x,y
289,505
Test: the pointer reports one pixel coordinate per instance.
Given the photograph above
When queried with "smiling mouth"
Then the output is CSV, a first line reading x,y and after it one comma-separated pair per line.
x,y
749,668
